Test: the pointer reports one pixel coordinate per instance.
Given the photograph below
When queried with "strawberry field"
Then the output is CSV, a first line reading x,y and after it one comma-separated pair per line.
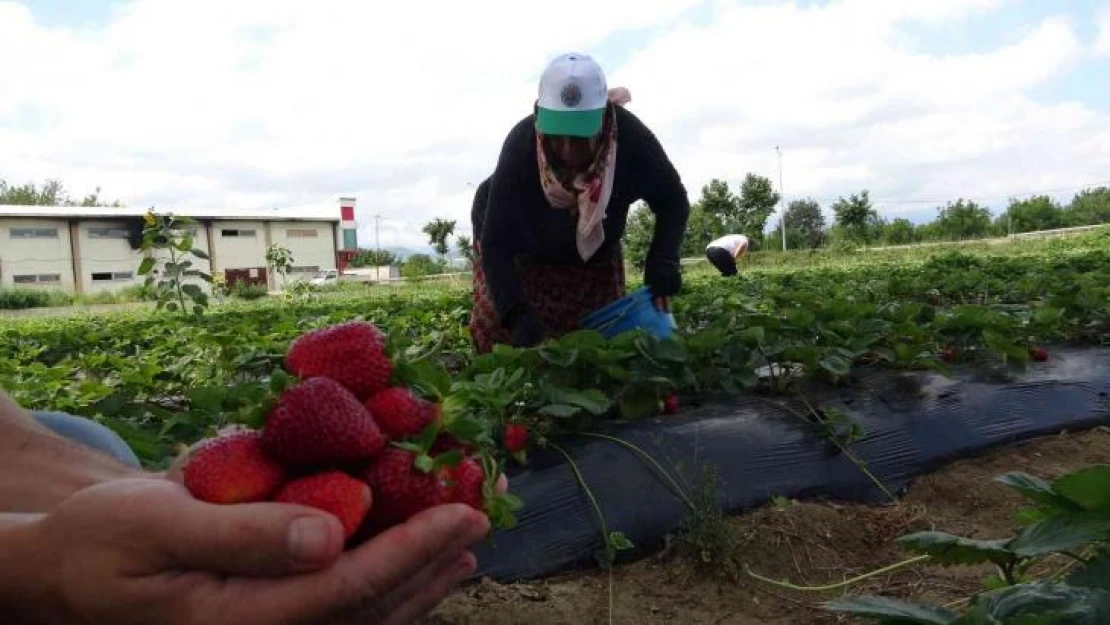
x,y
163,379
166,380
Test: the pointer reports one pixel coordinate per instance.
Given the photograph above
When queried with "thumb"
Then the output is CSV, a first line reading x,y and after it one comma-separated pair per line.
x,y
260,539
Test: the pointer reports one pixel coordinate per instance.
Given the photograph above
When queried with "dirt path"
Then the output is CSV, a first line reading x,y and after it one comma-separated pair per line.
x,y
807,543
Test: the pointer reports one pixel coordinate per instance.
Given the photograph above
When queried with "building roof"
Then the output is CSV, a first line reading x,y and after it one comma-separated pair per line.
x,y
312,213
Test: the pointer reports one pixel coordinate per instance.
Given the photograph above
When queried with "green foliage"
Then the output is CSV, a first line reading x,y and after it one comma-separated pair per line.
x,y
962,220
177,289
856,217
420,265
1089,207
1073,512
248,292
1035,213
50,193
280,260
374,258
20,298
466,248
805,225
438,231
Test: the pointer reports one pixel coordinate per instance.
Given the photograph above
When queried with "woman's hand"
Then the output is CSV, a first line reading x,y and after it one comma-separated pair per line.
x,y
662,304
145,551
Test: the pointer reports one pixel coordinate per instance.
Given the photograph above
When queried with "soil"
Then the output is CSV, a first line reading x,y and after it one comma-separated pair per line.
x,y
808,543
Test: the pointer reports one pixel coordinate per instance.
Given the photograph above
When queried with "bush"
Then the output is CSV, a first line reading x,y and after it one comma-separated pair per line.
x,y
20,298
249,291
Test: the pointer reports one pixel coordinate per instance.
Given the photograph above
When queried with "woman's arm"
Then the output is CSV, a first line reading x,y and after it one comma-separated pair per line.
x,y
666,197
504,221
38,469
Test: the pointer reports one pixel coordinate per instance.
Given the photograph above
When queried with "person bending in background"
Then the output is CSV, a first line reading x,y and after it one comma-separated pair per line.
x,y
88,537
723,252
549,249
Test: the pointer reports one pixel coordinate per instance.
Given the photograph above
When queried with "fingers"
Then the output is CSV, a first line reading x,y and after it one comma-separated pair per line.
x,y
434,590
502,485
365,577
263,539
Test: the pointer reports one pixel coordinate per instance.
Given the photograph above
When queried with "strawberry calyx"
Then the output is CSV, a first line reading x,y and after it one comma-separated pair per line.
x,y
500,507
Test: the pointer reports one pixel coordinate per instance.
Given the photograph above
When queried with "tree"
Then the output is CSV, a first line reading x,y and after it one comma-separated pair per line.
x,y
1036,213
963,220
805,225
466,248
900,231
1089,207
720,206
51,193
438,230
855,216
757,202
638,234
419,265
280,260
374,258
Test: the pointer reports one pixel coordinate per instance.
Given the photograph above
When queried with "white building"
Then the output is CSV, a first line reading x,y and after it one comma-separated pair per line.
x,y
86,250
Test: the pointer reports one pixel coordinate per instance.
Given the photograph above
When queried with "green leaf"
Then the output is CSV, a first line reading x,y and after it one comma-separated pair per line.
x,y
1037,490
1062,532
619,541
1088,488
891,611
146,266
199,253
1044,603
948,549
1094,574
207,397
192,290
466,428
560,410
448,459
590,400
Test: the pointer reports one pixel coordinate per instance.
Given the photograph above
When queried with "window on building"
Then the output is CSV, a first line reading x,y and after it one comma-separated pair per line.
x,y
305,269
109,233
302,233
38,278
237,232
112,276
34,233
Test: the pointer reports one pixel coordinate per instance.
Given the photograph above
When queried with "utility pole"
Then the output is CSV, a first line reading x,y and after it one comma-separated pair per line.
x,y
377,239
782,200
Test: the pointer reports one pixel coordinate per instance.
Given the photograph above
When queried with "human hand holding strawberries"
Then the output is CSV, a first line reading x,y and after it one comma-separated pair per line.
x,y
145,551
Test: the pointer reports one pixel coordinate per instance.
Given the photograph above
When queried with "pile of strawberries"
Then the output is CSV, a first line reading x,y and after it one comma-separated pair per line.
x,y
346,438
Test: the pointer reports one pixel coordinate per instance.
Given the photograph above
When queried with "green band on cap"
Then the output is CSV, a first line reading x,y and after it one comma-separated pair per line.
x,y
569,123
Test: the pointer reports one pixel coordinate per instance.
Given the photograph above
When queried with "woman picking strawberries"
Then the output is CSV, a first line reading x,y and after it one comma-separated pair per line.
x,y
549,221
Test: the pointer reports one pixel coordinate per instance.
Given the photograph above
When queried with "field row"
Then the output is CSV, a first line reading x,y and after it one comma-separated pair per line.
x,y
162,379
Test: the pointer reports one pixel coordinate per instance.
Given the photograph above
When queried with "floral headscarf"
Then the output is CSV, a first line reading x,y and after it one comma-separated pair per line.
x,y
586,193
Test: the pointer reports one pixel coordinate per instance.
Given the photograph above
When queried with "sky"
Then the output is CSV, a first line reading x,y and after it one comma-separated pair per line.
x,y
281,104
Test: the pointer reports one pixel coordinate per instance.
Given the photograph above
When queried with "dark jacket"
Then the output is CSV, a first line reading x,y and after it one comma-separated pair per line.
x,y
518,222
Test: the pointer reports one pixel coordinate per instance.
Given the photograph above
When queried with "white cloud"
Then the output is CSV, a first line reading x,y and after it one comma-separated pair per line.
x,y
280,103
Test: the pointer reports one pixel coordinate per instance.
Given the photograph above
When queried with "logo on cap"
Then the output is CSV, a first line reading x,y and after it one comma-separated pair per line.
x,y
571,94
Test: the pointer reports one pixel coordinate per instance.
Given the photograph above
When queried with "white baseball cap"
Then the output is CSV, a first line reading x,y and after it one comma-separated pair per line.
x,y
573,97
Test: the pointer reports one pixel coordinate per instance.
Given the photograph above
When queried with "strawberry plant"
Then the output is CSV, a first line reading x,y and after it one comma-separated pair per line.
x,y
1069,516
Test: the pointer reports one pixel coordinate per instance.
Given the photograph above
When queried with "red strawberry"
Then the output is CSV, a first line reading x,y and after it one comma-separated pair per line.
x,y
468,478
400,489
400,413
1038,353
232,468
516,437
949,354
331,491
670,404
318,422
352,354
